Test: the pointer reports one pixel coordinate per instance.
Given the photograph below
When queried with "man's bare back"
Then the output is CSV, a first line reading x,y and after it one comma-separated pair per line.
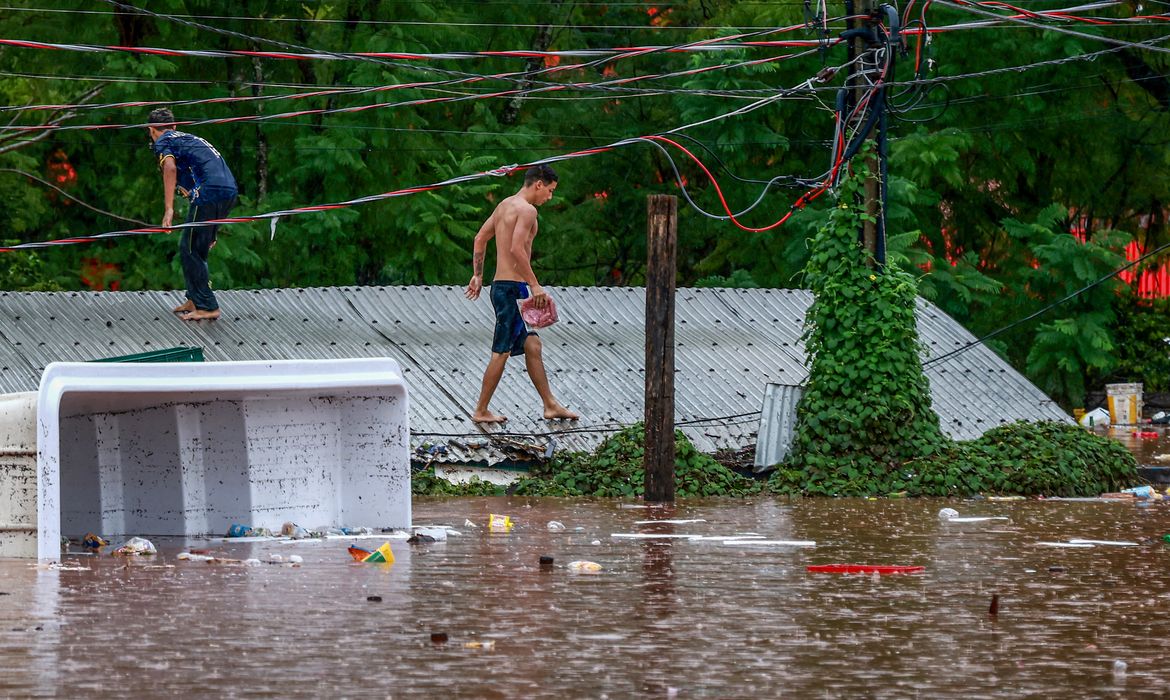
x,y
513,218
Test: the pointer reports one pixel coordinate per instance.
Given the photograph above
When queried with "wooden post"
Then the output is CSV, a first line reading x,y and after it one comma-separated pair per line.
x,y
661,236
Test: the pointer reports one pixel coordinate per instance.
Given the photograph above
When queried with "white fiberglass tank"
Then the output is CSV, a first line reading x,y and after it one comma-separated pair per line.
x,y
190,448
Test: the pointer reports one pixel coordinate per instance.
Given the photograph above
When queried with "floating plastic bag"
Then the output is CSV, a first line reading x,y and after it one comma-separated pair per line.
x,y
238,530
538,317
135,546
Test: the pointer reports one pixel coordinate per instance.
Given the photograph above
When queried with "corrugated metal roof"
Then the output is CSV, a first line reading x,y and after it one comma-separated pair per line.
x,y
731,343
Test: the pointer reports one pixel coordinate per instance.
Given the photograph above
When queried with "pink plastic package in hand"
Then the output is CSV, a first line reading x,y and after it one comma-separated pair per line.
x,y
538,318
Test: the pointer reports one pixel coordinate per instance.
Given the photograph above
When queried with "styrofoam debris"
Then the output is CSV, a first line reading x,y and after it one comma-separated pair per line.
x,y
584,566
784,543
1070,545
1107,543
438,534
977,519
672,522
650,536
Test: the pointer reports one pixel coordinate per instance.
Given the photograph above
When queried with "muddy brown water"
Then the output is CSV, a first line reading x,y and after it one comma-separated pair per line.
x,y
1150,444
663,619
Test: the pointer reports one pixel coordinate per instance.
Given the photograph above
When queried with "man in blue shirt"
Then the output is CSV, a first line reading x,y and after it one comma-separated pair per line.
x,y
198,171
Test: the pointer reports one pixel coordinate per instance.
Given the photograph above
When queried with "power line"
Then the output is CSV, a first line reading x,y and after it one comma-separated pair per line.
x,y
409,23
613,53
1046,309
976,8
63,193
1028,66
612,84
527,77
497,172
617,84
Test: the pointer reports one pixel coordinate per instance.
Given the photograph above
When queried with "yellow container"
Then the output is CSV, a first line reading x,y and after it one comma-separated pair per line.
x,y
1125,403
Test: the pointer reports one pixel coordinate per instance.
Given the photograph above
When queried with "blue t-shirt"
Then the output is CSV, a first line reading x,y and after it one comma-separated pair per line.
x,y
203,176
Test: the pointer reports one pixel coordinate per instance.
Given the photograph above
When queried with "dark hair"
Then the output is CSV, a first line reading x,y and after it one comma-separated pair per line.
x,y
544,173
162,116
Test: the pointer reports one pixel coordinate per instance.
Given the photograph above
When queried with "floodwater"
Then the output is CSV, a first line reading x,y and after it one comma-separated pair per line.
x,y
475,617
1150,444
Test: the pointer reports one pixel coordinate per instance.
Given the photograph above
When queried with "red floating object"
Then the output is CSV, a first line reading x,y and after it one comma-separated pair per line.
x,y
864,569
1146,433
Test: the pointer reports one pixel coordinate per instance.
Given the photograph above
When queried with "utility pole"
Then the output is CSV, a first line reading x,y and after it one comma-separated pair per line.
x,y
860,47
863,42
661,237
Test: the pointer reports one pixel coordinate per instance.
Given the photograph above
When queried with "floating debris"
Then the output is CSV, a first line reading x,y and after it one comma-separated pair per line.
x,y
499,523
651,536
782,543
878,569
588,567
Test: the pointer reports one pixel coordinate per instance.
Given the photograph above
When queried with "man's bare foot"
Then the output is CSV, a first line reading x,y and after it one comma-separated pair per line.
x,y
186,307
487,417
200,315
559,412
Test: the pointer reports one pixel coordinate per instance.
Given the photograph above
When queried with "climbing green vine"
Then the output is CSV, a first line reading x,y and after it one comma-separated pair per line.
x,y
865,426
866,407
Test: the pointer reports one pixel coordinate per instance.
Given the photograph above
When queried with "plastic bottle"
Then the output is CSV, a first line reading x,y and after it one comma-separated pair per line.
x,y
1140,491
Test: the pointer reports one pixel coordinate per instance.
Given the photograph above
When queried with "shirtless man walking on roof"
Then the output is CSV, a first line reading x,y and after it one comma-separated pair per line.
x,y
513,225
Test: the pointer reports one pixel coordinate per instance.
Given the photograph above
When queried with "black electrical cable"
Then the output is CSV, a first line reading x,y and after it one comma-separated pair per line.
x,y
1058,302
65,194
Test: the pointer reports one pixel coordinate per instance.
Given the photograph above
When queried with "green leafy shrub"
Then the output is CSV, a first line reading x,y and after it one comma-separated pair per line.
x,y
614,470
1048,458
424,482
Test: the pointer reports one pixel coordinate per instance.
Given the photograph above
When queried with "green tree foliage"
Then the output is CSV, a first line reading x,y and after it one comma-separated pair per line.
x,y
975,155
1142,344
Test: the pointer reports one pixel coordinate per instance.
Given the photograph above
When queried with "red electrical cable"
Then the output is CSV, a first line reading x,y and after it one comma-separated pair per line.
x,y
798,204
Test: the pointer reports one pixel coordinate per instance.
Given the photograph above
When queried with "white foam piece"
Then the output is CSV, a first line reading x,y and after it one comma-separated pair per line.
x,y
671,522
780,543
1068,545
1107,543
650,536
438,534
976,519
187,449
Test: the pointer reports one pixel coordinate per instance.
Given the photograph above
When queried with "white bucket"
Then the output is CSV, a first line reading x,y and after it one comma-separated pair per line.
x,y
1125,403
